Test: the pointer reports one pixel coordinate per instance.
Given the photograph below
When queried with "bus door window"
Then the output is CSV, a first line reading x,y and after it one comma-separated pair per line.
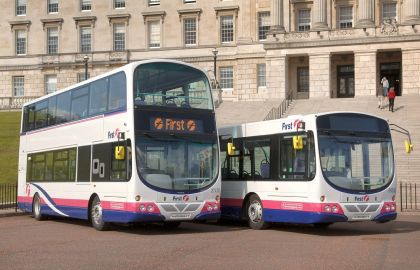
x,y
232,163
297,164
83,163
101,154
259,149
119,168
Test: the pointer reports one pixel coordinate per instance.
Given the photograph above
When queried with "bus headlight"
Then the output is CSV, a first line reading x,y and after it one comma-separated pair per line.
x,y
215,207
387,208
209,208
327,208
393,207
142,207
335,209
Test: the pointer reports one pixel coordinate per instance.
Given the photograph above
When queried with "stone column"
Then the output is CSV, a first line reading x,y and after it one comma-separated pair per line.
x,y
276,75
366,79
410,71
277,17
366,14
319,15
319,75
244,17
411,11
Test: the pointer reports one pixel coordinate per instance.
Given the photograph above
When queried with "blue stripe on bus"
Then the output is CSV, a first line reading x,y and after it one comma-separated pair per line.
x,y
384,217
303,217
45,194
208,216
286,216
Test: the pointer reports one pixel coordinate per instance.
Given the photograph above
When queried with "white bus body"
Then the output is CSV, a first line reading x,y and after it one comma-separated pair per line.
x,y
346,170
159,113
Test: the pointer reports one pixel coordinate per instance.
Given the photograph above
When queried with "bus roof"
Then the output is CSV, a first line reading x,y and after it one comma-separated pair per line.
x,y
275,126
127,67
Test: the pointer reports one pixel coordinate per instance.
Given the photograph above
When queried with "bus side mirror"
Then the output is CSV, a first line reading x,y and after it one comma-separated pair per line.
x,y
408,146
119,152
297,143
230,149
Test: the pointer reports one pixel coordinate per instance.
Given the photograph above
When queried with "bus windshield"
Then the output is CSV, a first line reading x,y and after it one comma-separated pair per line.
x,y
176,163
171,85
356,163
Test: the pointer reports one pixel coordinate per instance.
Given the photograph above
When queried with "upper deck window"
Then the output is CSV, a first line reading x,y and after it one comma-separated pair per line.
x,y
171,85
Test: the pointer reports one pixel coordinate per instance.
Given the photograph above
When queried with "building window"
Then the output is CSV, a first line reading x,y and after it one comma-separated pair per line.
x,y
85,39
303,79
304,20
190,31
81,77
52,6
18,86
154,2
20,7
226,29
50,84
20,42
154,34
263,25
189,1
119,3
85,5
119,37
345,17
52,40
389,11
261,77
226,77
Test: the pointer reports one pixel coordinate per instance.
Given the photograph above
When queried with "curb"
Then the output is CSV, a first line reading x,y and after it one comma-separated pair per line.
x,y
11,213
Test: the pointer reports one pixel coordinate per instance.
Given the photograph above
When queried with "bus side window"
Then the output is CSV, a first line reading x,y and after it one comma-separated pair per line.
x,y
79,103
63,108
98,97
117,98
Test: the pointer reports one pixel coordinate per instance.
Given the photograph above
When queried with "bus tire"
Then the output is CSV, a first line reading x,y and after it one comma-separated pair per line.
x,y
96,216
36,208
254,212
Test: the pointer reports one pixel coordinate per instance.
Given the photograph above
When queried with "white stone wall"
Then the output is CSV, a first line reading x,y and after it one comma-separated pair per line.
x,y
411,71
365,73
319,75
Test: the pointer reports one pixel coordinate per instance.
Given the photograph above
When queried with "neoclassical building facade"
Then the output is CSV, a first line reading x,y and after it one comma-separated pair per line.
x,y
266,49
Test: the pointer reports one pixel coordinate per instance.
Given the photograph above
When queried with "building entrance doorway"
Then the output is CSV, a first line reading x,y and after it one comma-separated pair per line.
x,y
392,71
345,81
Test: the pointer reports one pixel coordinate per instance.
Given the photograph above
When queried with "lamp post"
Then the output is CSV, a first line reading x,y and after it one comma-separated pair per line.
x,y
85,60
214,51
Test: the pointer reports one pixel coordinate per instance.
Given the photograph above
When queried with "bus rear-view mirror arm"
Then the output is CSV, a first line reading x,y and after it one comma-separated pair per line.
x,y
407,143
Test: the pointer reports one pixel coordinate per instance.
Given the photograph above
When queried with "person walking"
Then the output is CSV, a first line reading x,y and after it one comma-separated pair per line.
x,y
391,99
385,86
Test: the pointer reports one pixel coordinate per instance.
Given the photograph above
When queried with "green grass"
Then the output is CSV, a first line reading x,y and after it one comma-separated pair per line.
x,y
9,146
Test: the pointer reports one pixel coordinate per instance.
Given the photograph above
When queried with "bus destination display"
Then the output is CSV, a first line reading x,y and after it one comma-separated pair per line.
x,y
176,125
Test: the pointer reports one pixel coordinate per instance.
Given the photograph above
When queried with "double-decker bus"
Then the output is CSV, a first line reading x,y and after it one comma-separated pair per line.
x,y
137,144
312,169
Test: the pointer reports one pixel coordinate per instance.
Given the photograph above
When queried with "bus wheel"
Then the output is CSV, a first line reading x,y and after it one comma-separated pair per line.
x,y
255,213
96,215
171,225
36,208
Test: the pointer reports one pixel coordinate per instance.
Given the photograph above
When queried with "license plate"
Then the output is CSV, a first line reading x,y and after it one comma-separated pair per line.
x,y
180,216
361,217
